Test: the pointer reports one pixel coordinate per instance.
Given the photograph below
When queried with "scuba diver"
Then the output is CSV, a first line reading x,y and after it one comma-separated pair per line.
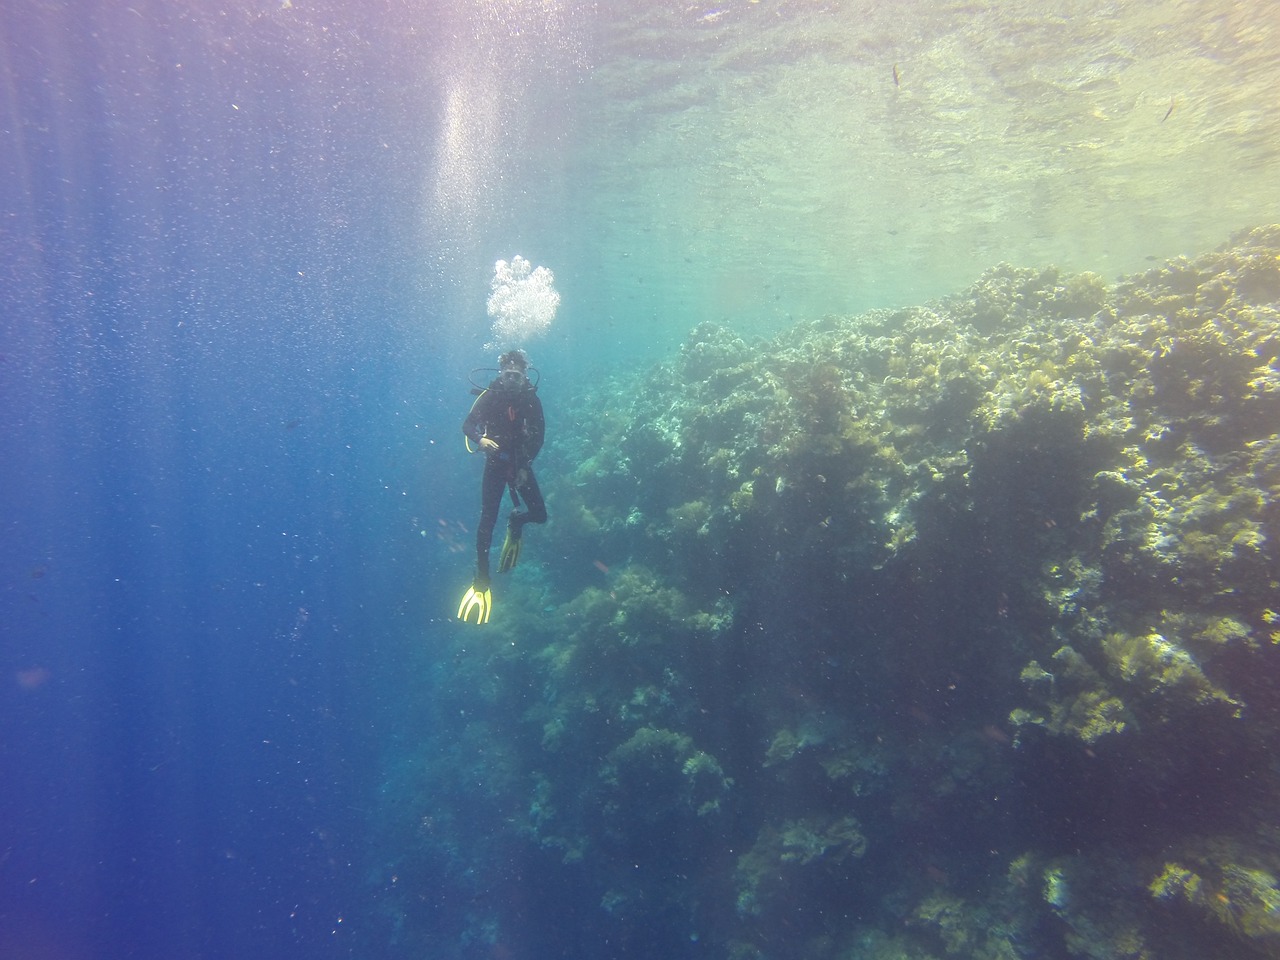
x,y
507,426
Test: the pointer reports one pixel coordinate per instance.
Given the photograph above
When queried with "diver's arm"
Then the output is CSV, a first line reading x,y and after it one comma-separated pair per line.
x,y
537,429
473,427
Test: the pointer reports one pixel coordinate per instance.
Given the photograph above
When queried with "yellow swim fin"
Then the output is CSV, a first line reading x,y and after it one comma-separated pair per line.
x,y
481,601
510,555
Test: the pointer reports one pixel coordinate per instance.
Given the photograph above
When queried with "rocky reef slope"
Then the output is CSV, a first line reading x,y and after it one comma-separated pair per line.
x,y
946,631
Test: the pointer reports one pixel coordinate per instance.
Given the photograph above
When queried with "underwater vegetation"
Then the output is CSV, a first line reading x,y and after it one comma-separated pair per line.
x,y
949,631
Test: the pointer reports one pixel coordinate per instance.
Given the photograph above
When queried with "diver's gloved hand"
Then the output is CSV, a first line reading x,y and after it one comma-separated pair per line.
x,y
510,555
477,599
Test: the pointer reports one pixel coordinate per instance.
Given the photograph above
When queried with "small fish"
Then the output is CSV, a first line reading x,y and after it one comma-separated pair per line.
x,y
995,734
293,424
34,677
1167,112
896,81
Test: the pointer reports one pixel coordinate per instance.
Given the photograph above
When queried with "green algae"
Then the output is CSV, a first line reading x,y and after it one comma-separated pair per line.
x,y
797,852
941,631
1244,900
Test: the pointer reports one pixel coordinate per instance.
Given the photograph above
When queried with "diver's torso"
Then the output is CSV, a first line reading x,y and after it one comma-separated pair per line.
x,y
508,419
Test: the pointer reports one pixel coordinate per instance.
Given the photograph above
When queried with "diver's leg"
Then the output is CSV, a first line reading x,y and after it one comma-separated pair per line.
x,y
535,507
491,488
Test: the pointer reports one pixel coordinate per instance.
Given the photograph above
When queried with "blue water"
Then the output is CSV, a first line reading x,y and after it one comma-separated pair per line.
x,y
241,292
217,432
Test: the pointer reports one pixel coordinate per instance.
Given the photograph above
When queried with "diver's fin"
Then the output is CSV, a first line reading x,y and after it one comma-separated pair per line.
x,y
481,601
510,555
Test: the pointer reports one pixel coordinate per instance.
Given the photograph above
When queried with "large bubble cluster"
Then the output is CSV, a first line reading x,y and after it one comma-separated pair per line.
x,y
523,302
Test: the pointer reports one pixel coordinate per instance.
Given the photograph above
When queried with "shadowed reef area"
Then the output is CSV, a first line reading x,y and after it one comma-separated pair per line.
x,y
944,631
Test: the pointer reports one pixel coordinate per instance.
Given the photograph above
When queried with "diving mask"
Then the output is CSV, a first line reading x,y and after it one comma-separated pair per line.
x,y
512,378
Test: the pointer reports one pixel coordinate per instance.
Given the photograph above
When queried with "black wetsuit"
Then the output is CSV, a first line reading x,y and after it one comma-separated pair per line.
x,y
513,420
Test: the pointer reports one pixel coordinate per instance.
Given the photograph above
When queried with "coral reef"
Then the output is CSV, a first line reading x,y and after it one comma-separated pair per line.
x,y
932,632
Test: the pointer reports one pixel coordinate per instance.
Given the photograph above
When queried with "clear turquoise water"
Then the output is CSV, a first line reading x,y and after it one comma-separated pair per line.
x,y
757,162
